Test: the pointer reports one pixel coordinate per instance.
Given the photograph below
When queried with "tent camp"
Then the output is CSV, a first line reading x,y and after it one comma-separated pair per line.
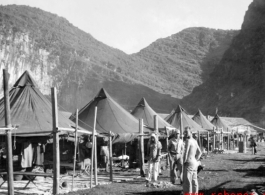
x,y
145,112
218,122
180,120
110,117
200,119
30,110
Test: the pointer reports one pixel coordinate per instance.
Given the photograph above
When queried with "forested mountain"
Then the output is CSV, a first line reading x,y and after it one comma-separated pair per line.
x,y
237,84
59,54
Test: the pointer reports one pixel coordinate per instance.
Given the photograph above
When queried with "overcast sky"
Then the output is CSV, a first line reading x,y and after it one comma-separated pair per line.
x,y
131,25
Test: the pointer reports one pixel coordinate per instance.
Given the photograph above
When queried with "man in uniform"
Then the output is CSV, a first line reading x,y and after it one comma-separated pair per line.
x,y
175,153
191,157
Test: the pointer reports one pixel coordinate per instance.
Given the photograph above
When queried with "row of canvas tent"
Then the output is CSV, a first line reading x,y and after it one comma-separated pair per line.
x,y
31,112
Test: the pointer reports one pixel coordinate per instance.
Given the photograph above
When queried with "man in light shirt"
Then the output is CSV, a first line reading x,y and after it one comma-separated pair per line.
x,y
191,157
175,153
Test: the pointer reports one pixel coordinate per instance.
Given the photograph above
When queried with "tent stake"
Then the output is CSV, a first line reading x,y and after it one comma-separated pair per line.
x,y
56,151
8,135
76,127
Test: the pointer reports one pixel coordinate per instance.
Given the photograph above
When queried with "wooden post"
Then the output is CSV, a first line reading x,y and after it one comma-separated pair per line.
x,y
228,141
181,127
110,156
199,139
156,125
96,163
167,161
208,142
10,179
141,151
214,140
56,150
222,139
76,127
93,148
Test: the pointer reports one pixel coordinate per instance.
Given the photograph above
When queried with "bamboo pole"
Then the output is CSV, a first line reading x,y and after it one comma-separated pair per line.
x,y
93,148
10,179
56,150
110,156
76,127
141,151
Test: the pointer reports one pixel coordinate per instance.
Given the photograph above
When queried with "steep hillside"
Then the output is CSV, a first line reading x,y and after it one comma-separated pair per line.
x,y
237,84
186,59
59,54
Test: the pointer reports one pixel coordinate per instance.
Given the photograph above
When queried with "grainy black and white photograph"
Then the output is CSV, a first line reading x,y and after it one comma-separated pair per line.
x,y
132,97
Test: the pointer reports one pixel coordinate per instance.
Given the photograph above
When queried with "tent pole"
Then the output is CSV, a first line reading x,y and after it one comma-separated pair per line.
x,y
199,139
110,156
141,151
93,149
76,127
10,178
56,150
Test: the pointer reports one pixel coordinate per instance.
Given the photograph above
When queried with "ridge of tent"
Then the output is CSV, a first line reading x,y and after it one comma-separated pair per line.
x,y
24,80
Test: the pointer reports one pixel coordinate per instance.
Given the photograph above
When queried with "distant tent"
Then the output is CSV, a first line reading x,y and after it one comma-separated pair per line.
x,y
30,110
110,117
220,123
145,112
200,119
175,120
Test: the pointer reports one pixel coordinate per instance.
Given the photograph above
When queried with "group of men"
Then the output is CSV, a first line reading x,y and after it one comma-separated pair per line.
x,y
183,158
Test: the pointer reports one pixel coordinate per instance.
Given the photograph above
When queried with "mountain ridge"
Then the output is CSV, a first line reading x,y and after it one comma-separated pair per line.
x,y
61,55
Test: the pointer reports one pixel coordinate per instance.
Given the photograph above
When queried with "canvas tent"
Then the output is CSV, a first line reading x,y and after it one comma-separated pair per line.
x,y
145,112
110,117
218,122
30,110
180,119
200,119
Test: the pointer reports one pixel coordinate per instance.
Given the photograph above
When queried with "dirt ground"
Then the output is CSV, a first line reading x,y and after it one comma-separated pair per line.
x,y
231,172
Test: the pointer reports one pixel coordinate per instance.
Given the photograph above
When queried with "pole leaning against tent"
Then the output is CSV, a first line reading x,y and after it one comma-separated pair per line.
x,y
110,156
141,152
56,154
76,126
8,135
